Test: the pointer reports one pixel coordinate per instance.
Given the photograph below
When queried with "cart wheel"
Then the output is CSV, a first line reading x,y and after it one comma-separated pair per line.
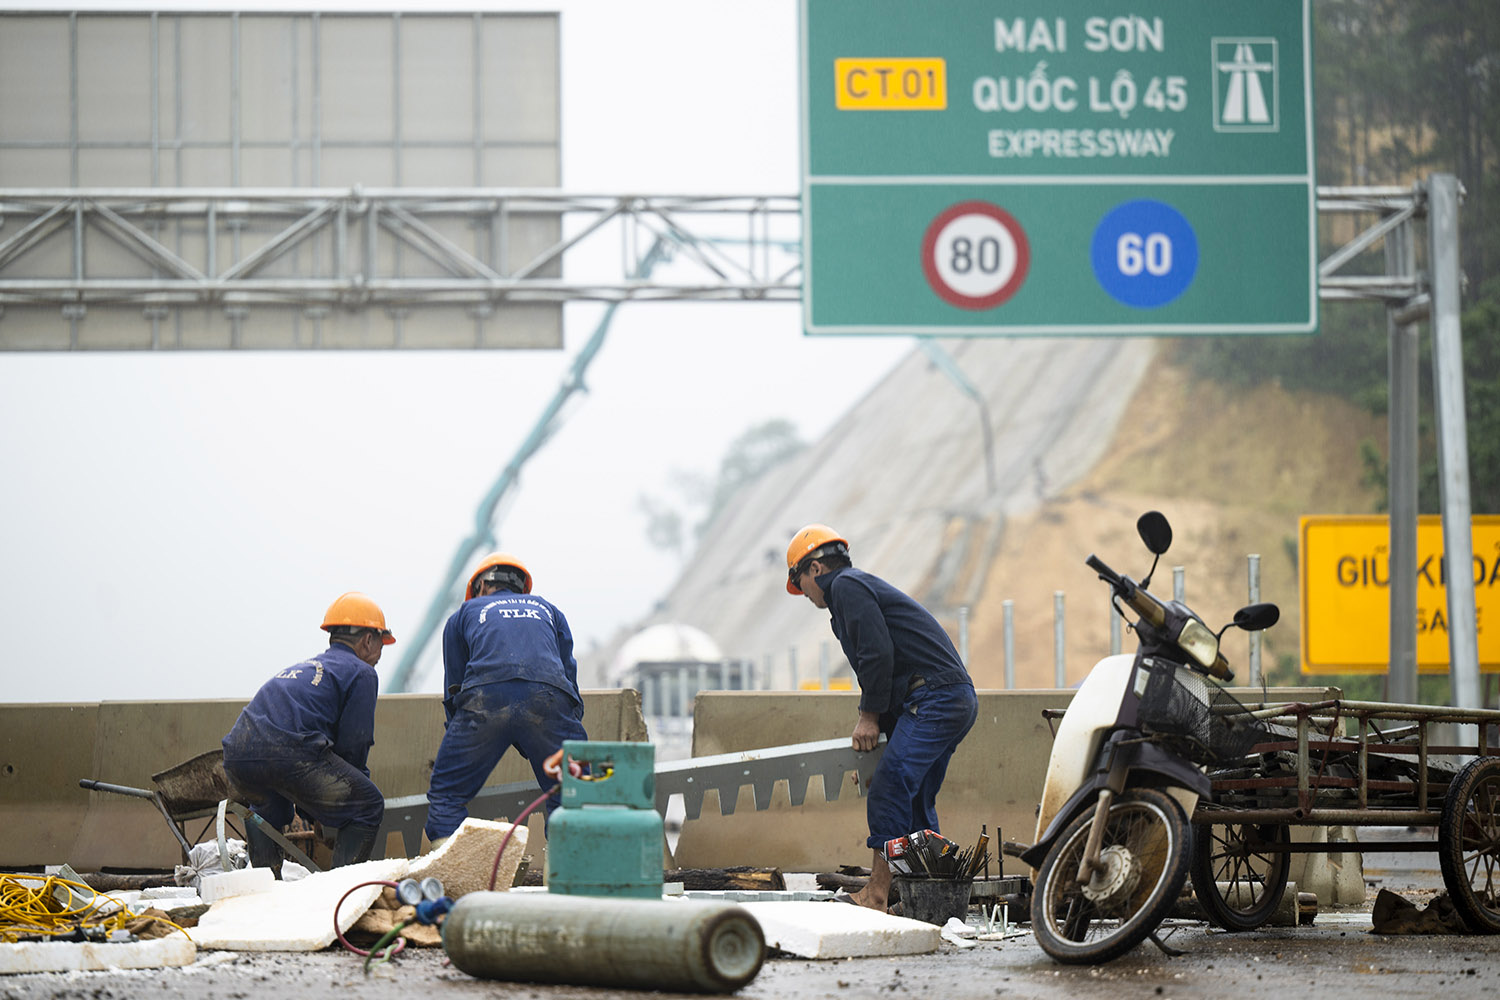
x,y
1238,875
1469,844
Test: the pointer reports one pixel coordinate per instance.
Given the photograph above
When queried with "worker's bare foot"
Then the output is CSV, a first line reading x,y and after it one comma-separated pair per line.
x,y
864,898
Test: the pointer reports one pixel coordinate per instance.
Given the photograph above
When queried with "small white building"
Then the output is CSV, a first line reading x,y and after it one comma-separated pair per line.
x,y
669,664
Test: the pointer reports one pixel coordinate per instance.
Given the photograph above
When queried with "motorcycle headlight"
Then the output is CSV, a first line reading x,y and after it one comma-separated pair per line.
x,y
1198,642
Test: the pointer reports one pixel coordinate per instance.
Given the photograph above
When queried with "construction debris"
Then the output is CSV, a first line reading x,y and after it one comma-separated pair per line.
x,y
466,860
717,879
384,914
1394,914
54,956
296,916
829,930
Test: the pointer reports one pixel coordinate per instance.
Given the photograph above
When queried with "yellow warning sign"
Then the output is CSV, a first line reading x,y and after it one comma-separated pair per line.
x,y
1345,566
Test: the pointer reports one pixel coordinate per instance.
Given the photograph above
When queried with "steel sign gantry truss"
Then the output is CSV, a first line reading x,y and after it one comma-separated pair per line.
x,y
354,248
400,247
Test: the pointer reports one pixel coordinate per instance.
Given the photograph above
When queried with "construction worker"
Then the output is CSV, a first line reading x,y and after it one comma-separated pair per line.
x,y
304,740
510,680
913,688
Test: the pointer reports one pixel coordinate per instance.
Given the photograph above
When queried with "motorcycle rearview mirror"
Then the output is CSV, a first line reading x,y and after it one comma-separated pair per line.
x,y
1154,530
1254,618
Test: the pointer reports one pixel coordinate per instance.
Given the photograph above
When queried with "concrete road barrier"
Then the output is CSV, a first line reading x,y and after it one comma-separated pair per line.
x,y
46,748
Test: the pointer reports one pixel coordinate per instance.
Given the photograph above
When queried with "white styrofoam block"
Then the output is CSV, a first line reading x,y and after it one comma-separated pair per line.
x,y
222,885
296,916
60,956
172,906
841,930
168,892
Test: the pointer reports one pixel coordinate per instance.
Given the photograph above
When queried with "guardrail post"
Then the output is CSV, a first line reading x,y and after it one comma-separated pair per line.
x,y
1253,568
1010,645
1059,668
963,635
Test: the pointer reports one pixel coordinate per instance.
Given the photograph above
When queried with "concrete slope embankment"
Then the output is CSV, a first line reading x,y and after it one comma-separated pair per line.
x,y
905,475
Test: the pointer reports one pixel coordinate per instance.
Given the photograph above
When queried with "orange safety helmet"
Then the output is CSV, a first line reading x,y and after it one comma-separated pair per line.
x,y
491,561
356,611
806,542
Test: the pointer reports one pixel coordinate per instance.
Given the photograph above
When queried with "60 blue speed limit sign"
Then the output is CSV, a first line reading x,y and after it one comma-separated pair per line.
x,y
1144,253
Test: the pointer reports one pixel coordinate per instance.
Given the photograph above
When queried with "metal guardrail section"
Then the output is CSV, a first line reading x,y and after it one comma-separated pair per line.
x,y
692,778
761,769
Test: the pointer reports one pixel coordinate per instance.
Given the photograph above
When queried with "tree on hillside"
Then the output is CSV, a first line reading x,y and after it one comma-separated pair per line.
x,y
1402,90
1455,86
750,454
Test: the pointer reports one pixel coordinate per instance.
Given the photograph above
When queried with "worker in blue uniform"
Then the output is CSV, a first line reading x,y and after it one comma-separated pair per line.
x,y
303,742
509,680
913,688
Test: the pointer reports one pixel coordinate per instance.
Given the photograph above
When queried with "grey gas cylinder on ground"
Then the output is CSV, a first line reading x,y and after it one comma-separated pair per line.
x,y
684,945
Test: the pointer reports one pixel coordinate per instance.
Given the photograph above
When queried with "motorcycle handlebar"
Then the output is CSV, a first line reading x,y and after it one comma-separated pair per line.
x,y
1139,601
1148,607
1105,573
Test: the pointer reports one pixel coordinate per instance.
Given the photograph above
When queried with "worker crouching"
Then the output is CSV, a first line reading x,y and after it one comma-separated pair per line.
x,y
303,742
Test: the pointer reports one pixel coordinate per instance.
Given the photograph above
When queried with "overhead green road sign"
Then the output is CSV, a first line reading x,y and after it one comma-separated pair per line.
x,y
1058,167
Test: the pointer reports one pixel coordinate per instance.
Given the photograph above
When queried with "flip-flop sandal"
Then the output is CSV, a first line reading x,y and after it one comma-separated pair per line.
x,y
844,897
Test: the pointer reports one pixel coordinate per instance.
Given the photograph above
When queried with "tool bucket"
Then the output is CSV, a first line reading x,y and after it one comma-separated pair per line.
x,y
933,900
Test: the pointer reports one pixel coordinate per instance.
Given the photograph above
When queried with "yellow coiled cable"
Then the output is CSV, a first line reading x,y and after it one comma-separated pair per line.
x,y
29,908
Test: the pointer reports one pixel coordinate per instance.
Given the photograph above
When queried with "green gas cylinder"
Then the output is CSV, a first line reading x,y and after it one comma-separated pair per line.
x,y
605,838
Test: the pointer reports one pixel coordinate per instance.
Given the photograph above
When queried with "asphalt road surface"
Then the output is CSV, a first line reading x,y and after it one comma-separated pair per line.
x,y
1335,957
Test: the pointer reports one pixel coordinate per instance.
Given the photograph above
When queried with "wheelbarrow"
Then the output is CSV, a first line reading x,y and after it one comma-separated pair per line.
x,y
198,789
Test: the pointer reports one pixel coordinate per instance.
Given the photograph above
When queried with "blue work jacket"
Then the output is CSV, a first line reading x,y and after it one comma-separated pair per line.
x,y
327,702
889,639
507,637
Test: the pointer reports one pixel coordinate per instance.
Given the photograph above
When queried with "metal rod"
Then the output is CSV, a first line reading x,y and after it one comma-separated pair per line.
x,y
1402,368
963,635
1303,799
1322,817
1116,629
1252,568
1008,609
1422,751
1364,765
1059,669
1452,432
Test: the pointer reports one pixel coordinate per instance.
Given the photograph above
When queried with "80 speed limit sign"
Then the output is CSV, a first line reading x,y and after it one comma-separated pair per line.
x,y
975,255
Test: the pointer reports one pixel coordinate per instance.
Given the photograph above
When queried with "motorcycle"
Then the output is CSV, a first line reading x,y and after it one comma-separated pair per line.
x,y
1114,844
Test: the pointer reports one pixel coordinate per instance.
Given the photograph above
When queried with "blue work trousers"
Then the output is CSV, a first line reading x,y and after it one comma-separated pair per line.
x,y
324,787
903,793
487,721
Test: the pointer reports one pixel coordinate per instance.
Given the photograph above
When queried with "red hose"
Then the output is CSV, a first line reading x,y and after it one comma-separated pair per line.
x,y
495,869
396,949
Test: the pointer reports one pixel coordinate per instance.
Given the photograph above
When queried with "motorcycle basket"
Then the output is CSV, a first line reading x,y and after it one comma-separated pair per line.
x,y
1208,724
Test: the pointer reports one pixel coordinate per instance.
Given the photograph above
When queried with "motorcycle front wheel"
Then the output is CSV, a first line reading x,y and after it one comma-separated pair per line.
x,y
1145,850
